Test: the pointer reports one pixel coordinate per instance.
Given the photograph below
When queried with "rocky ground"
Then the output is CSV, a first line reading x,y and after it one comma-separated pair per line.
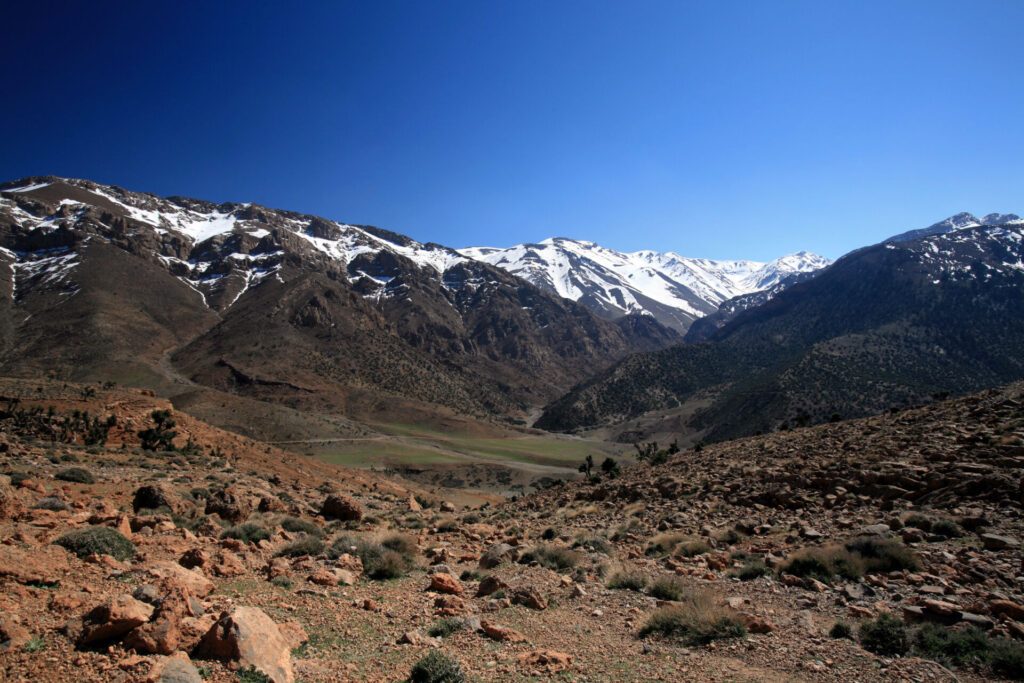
x,y
228,560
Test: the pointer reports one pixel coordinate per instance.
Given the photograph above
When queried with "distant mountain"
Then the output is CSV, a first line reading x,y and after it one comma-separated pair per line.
x,y
884,326
674,289
100,283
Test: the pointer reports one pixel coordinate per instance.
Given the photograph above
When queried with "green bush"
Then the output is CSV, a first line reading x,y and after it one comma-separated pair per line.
x,y
752,569
593,542
252,675
695,621
1007,658
403,544
885,636
919,521
668,588
955,647
627,580
881,555
823,563
301,526
553,557
307,545
79,475
841,629
379,562
445,627
249,532
437,667
97,539
947,528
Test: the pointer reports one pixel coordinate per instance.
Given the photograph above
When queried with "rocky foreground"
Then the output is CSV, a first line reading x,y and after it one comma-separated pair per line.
x,y
872,550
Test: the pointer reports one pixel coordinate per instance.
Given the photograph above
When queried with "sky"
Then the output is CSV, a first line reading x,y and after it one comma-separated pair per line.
x,y
715,129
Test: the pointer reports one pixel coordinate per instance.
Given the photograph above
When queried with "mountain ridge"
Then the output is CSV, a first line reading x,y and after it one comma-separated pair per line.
x,y
676,290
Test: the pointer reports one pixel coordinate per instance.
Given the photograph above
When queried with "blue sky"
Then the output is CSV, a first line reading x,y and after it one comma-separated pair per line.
x,y
717,129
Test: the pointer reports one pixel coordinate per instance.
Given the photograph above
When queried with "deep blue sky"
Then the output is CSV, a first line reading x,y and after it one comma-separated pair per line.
x,y
717,129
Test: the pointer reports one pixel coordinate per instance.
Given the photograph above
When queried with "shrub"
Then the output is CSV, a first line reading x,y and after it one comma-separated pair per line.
x,y
447,526
841,629
593,542
882,554
960,647
919,521
445,627
249,532
437,667
752,569
470,575
627,580
823,563
553,557
78,475
668,588
307,545
282,582
379,562
695,621
947,528
548,534
665,544
885,636
1007,658
252,675
403,544
301,526
97,539
471,518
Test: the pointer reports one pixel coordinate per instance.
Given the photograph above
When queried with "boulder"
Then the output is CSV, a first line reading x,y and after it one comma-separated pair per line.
x,y
490,584
337,506
152,496
529,597
246,635
501,633
13,635
997,542
550,661
445,583
112,620
171,575
496,555
230,504
176,669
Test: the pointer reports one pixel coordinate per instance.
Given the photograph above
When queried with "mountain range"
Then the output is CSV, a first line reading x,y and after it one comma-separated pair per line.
x,y
283,325
674,289
885,326
189,297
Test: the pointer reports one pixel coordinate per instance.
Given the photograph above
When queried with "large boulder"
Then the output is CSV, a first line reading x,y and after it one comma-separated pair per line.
x,y
337,506
112,620
172,576
248,636
152,496
230,504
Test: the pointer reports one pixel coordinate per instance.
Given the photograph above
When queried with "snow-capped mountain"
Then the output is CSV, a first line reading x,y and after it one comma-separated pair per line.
x,y
676,290
959,221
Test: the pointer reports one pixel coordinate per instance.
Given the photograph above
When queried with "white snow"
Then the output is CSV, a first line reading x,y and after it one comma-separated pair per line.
x,y
575,268
28,188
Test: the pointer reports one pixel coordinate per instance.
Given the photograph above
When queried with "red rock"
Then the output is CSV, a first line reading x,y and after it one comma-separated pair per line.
x,y
46,565
549,660
501,633
13,635
445,583
337,506
113,619
246,635
1013,610
529,597
172,575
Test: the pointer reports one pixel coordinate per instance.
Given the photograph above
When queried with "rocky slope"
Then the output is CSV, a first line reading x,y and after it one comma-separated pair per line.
x,y
99,283
884,326
674,289
224,561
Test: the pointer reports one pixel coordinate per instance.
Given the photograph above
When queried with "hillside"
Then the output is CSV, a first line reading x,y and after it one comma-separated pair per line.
x,y
224,560
888,325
